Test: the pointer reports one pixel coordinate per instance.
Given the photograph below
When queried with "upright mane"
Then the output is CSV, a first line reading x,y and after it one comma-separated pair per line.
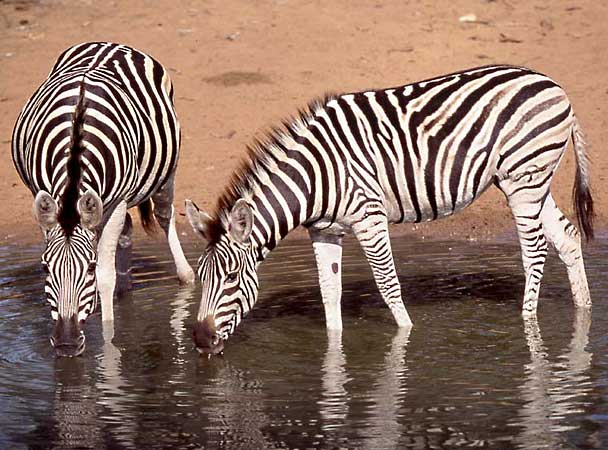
x,y
68,216
259,159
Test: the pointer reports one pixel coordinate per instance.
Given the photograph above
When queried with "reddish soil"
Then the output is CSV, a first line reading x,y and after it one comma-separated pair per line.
x,y
239,67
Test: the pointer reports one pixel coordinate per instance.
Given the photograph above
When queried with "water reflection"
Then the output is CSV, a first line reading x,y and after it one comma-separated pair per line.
x,y
114,390
389,396
461,376
233,406
382,428
553,392
75,410
333,405
179,314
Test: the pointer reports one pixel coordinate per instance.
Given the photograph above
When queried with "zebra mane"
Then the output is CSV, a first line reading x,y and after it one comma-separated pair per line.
x,y
68,216
259,160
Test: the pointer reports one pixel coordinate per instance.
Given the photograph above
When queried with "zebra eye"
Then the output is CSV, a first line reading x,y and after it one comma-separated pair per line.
x,y
45,267
92,266
232,276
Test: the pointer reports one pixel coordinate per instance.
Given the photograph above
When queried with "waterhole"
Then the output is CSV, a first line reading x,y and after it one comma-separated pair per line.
x,y
471,373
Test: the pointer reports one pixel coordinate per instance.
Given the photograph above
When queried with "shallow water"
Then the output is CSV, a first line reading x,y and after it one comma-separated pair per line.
x,y
471,373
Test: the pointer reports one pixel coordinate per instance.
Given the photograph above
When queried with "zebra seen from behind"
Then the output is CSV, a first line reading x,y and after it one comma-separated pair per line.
x,y
99,136
357,162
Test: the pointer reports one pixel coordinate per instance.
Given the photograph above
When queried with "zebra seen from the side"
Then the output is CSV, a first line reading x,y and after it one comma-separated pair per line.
x,y
99,136
357,162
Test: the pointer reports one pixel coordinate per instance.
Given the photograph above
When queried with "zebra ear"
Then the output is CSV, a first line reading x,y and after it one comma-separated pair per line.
x,y
90,208
45,210
241,221
198,219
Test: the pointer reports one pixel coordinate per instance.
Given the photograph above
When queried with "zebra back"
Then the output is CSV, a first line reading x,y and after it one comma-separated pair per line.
x,y
129,133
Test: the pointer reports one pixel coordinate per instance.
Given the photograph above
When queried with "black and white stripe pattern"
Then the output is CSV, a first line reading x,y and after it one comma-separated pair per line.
x,y
357,162
76,274
100,135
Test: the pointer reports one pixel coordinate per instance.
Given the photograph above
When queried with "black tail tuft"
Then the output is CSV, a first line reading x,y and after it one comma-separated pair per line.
x,y
581,192
146,213
583,206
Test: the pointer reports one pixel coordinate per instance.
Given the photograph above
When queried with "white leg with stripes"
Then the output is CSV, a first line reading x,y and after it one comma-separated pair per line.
x,y
526,202
328,254
372,233
566,240
106,260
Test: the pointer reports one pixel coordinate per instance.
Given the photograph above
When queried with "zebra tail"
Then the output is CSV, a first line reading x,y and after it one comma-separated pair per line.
x,y
146,213
581,191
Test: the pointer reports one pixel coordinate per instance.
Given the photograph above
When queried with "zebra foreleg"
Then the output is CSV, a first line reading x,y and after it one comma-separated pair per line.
x,y
328,254
566,240
372,233
165,215
123,257
106,260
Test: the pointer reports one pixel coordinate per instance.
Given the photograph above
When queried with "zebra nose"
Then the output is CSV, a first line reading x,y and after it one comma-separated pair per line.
x,y
67,338
206,338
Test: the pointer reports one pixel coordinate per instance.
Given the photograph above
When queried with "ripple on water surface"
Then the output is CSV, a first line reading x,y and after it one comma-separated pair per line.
x,y
470,373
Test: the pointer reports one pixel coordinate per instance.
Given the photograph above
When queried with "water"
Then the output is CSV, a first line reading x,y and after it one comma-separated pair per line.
x,y
471,373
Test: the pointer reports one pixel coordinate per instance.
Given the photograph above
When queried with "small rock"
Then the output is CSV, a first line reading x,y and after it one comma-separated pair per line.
x,y
468,18
546,25
233,36
503,38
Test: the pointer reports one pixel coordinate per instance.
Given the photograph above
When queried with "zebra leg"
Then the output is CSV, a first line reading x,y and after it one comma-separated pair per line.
x,y
526,204
566,240
328,254
123,257
106,260
372,233
165,215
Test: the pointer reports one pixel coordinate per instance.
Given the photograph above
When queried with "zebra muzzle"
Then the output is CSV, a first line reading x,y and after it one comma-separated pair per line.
x,y
206,338
68,339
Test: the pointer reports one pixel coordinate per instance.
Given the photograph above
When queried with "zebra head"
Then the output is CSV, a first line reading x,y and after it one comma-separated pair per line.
x,y
228,273
69,261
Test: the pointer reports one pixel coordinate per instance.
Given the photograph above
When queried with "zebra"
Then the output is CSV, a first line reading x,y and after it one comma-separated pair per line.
x,y
357,162
99,136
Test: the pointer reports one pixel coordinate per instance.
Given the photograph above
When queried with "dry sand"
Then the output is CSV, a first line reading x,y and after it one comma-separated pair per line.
x,y
239,67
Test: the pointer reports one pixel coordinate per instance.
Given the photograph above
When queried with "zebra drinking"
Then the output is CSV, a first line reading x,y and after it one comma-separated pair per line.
x,y
357,162
99,136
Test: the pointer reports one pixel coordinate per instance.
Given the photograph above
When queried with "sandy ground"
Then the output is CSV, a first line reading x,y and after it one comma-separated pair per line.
x,y
240,67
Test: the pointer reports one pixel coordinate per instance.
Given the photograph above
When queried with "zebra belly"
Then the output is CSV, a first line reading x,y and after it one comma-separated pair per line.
x,y
423,201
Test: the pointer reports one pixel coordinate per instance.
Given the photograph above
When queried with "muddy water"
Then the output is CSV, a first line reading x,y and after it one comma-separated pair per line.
x,y
471,373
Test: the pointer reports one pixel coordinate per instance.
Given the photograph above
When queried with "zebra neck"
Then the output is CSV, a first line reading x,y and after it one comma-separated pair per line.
x,y
272,223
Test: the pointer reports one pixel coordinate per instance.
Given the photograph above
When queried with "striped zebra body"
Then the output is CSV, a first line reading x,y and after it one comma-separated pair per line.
x,y
357,162
99,136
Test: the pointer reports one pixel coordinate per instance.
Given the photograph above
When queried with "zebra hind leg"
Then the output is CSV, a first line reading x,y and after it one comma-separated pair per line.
x,y
165,215
372,233
566,240
526,201
328,254
123,258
